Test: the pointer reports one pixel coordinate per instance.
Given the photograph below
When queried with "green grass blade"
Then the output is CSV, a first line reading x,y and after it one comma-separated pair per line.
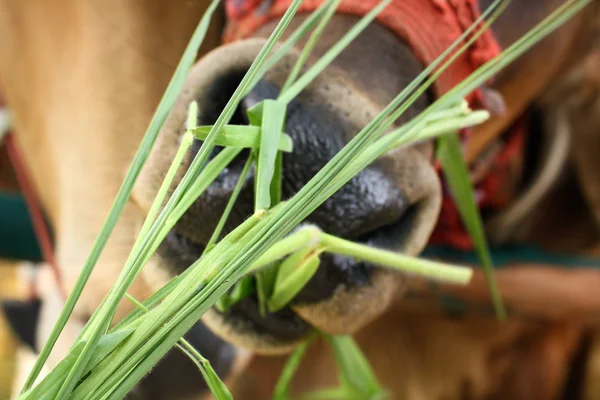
x,y
242,289
202,182
370,132
197,164
308,235
561,15
331,54
230,265
272,124
210,173
284,382
186,142
423,82
456,173
234,195
246,136
265,282
215,384
155,343
485,72
438,106
340,393
355,372
49,386
106,345
150,302
294,38
397,261
139,159
294,273
311,43
276,182
264,235
271,115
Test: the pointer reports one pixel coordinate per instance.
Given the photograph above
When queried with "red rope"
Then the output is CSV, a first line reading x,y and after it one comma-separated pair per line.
x,y
41,229
429,27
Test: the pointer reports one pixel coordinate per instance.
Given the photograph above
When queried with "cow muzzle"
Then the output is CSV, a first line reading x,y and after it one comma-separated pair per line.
x,y
391,204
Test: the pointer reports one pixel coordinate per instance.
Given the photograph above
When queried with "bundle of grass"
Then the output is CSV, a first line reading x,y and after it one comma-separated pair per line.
x,y
107,361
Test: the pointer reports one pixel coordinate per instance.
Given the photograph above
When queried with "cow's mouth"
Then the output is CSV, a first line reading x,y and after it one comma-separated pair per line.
x,y
277,331
391,204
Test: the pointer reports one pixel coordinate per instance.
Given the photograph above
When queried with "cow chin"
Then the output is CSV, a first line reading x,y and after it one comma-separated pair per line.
x,y
392,204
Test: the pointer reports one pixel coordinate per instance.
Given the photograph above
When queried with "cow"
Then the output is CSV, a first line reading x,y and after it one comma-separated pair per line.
x,y
82,79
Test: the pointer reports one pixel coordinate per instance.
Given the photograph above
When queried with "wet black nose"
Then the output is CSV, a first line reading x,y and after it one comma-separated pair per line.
x,y
364,209
369,201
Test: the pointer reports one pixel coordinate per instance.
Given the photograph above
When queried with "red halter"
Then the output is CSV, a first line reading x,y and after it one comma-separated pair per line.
x,y
429,27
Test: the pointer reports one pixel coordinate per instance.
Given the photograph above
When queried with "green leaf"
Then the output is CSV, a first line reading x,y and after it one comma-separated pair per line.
x,y
311,43
130,271
246,136
236,258
331,54
397,261
234,195
214,274
137,163
457,175
284,382
215,384
294,273
242,289
271,115
276,182
294,38
265,283
150,302
355,372
255,114
50,385
203,181
106,345
272,124
306,236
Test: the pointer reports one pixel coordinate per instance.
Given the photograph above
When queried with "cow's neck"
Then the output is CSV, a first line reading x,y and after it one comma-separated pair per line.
x,y
82,80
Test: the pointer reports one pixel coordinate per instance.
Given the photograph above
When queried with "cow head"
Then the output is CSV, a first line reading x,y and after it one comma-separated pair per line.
x,y
392,204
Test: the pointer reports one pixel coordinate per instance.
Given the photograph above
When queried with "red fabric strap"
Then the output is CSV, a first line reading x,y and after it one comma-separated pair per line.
x,y
428,26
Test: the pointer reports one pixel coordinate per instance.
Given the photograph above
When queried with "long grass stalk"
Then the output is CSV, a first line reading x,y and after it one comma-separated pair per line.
x,y
234,195
331,54
124,192
211,276
261,237
310,45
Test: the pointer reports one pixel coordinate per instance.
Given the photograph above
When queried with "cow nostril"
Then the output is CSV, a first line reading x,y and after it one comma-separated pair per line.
x,y
393,236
